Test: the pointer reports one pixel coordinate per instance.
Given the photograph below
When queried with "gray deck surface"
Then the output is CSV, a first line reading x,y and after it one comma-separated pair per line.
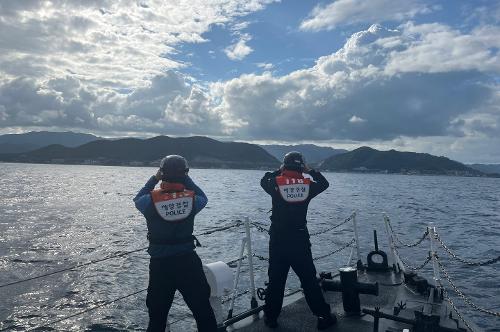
x,y
296,316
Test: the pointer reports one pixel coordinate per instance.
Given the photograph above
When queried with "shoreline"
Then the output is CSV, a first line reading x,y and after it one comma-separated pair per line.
x,y
259,168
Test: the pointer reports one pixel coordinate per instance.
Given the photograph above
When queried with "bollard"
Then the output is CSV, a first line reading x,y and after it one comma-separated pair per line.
x,y
350,288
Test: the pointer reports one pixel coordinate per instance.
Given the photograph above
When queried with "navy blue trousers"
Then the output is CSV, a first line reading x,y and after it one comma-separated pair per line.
x,y
296,254
183,273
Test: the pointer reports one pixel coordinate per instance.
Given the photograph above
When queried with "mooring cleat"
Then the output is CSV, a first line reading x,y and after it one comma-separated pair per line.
x,y
326,322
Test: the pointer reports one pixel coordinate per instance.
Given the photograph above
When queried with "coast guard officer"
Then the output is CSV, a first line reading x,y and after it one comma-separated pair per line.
x,y
289,244
174,264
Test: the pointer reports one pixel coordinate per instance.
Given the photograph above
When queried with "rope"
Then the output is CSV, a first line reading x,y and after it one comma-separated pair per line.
x,y
462,295
402,244
462,260
80,265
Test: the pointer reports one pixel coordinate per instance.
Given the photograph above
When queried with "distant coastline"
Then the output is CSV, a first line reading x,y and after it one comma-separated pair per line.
x,y
260,168
69,148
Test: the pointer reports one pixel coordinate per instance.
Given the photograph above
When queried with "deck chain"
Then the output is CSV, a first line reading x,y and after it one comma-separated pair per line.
x,y
413,268
461,294
462,260
454,307
347,245
261,227
240,294
333,227
402,244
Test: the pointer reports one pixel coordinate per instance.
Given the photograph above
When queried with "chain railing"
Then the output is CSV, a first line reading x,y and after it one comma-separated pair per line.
x,y
259,226
462,260
454,307
461,294
412,267
230,298
401,243
347,245
438,268
333,227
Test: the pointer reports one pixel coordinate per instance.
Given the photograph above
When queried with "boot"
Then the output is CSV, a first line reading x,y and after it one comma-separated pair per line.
x,y
326,322
272,323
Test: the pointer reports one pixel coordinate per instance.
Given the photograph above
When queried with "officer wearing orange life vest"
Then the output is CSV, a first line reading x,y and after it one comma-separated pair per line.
x,y
174,265
289,244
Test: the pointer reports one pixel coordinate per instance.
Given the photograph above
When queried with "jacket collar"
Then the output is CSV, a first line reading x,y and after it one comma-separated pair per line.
x,y
172,186
292,174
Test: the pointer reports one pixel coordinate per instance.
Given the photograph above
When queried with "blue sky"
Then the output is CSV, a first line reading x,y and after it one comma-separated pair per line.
x,y
414,75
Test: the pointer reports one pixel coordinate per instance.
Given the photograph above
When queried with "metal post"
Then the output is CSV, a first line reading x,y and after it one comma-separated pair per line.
x,y
253,302
355,226
348,263
237,278
435,267
395,258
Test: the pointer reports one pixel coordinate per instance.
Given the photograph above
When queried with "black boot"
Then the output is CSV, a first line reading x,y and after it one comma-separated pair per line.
x,y
326,322
272,323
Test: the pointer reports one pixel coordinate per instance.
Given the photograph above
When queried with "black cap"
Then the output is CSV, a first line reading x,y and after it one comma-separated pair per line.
x,y
294,161
174,168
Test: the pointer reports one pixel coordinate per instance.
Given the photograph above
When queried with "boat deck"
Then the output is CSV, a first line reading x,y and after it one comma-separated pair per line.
x,y
296,315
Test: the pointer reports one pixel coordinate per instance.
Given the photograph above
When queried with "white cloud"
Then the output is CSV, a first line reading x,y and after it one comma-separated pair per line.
x,y
240,49
356,119
437,48
117,44
265,66
318,103
345,12
367,91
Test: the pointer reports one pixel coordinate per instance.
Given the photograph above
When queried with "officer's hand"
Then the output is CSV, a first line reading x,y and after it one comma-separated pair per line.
x,y
159,175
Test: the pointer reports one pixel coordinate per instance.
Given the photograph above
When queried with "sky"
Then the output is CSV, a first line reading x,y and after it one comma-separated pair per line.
x,y
410,75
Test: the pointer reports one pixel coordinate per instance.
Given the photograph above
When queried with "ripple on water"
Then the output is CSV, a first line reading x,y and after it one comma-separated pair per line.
x,y
96,218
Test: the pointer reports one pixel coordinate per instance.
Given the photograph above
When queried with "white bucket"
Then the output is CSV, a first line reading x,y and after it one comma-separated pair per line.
x,y
219,277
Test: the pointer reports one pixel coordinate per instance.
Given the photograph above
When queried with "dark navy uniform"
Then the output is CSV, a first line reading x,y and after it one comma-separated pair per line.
x,y
289,244
174,265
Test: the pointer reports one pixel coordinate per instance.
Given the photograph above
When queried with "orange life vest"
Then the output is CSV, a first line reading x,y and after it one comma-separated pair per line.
x,y
293,187
173,202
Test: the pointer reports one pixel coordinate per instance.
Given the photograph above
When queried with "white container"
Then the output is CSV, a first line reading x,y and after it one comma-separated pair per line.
x,y
219,277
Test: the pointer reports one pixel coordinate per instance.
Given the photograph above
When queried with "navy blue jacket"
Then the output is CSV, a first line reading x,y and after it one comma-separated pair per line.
x,y
290,219
144,203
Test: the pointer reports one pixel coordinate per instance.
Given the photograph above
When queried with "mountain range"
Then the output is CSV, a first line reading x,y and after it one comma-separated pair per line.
x,y
76,148
312,153
199,151
486,168
366,159
17,143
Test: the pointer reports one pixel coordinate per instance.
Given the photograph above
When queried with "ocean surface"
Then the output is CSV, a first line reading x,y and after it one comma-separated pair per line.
x,y
55,216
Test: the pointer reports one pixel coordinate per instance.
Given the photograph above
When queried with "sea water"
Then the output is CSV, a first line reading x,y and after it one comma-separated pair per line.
x,y
55,216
